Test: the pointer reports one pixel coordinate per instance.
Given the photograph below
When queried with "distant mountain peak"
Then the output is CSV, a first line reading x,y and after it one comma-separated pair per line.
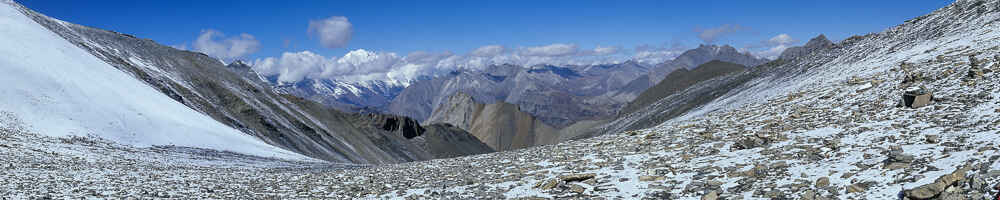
x,y
819,41
238,64
816,43
701,55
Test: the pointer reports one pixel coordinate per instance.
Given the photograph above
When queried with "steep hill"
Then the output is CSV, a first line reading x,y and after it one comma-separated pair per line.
x,y
681,79
502,126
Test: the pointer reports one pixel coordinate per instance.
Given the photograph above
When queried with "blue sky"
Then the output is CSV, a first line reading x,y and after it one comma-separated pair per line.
x,y
460,27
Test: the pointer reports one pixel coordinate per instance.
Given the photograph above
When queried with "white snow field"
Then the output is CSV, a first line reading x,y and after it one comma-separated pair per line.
x,y
60,90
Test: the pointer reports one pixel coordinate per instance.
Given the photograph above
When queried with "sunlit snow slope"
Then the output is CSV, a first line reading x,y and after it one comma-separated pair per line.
x,y
61,90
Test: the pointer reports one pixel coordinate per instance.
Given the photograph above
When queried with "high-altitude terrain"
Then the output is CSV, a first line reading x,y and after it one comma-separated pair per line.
x,y
824,124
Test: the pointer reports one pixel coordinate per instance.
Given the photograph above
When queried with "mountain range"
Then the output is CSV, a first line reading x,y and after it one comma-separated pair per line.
x,y
240,99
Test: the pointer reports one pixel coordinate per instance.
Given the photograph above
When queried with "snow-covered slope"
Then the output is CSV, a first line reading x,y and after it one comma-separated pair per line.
x,y
61,90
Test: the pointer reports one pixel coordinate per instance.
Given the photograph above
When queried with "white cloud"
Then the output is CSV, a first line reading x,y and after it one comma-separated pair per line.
x,y
488,50
599,50
773,47
712,34
552,50
773,52
333,32
357,65
291,66
215,44
363,65
652,55
782,39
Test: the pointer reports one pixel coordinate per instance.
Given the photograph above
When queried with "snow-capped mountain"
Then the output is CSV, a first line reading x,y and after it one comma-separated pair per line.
x,y
347,96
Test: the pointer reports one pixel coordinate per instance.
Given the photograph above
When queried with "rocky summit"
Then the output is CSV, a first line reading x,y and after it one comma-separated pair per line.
x,y
829,120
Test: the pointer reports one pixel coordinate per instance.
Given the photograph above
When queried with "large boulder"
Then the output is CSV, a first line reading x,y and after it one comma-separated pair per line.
x,y
934,189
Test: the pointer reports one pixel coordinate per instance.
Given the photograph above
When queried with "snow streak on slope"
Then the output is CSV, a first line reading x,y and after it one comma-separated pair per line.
x,y
61,90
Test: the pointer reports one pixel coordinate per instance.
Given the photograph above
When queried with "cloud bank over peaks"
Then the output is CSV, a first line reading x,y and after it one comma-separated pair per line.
x,y
363,65
216,44
357,65
552,50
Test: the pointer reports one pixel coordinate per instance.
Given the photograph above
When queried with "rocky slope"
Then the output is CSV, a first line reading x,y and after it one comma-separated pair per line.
x,y
502,126
447,141
679,80
682,91
236,97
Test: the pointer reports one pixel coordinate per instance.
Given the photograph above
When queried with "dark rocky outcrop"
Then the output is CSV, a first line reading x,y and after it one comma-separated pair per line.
x,y
407,127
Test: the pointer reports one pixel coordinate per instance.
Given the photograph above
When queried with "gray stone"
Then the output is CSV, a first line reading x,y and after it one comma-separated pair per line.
x,y
932,139
933,189
713,195
822,182
577,177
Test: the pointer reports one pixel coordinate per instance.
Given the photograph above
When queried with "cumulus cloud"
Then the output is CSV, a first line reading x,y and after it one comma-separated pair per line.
x,y
333,32
357,65
488,50
782,39
551,50
215,44
710,35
